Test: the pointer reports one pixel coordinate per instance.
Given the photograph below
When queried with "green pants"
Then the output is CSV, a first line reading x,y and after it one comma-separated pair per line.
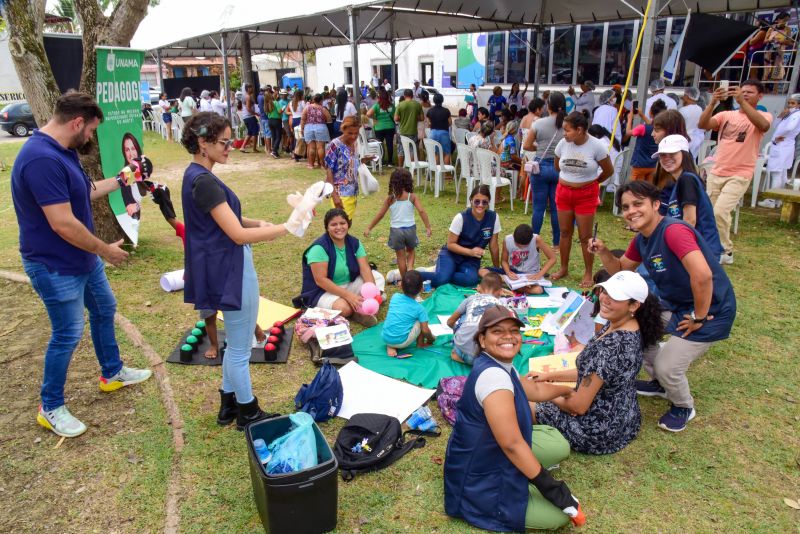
x,y
550,448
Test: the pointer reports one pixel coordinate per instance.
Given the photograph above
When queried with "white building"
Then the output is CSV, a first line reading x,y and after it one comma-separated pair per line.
x,y
434,59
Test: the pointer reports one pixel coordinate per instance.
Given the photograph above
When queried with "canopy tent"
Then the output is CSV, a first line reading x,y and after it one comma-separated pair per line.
x,y
315,23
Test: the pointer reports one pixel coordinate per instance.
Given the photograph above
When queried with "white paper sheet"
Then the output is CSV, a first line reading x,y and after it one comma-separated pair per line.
x,y
440,330
443,318
366,391
543,302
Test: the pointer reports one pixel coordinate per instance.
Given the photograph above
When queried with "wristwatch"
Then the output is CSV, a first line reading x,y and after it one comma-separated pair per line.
x,y
120,181
697,320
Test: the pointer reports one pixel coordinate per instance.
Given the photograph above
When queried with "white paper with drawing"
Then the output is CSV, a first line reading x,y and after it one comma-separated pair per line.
x,y
573,317
333,336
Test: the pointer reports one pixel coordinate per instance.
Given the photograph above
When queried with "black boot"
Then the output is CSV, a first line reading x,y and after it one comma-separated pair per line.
x,y
249,413
227,408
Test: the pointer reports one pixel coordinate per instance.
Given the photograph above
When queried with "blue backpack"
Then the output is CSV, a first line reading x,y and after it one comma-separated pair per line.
x,y
322,399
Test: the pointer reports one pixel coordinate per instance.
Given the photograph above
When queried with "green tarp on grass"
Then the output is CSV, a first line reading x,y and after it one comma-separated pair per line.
x,y
427,366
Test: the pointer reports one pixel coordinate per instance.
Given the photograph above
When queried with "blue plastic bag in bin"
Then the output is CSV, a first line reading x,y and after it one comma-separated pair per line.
x,y
297,449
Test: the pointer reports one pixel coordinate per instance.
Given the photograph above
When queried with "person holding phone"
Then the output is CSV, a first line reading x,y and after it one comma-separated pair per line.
x,y
738,142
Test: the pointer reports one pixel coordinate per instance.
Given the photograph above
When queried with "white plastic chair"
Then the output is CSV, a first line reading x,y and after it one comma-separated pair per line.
x,y
469,136
459,135
411,159
705,149
487,161
466,162
177,127
370,148
759,171
158,122
432,149
615,180
148,122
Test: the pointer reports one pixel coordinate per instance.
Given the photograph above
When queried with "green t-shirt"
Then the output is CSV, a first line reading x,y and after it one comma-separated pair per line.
x,y
284,105
275,113
341,274
409,112
384,120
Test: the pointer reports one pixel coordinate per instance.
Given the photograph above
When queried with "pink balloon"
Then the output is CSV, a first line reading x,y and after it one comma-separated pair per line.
x,y
369,307
369,290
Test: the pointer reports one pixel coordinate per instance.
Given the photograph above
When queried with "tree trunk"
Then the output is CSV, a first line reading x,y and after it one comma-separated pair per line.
x,y
25,25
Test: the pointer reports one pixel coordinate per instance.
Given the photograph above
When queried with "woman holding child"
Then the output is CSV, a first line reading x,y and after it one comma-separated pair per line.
x,y
601,416
469,234
495,469
334,269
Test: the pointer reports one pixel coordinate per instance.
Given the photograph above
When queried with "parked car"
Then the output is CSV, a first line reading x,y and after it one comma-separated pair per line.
x,y
398,94
17,119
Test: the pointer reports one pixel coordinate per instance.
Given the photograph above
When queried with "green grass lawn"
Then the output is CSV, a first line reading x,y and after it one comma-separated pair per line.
x,y
729,471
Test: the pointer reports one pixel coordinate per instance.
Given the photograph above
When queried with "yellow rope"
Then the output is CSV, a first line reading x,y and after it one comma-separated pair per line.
x,y
630,73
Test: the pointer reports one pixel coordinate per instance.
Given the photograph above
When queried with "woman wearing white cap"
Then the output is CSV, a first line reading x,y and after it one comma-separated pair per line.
x,y
606,113
602,415
781,153
682,193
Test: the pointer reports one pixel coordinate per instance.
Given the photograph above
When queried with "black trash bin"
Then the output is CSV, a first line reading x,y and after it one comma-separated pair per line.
x,y
303,502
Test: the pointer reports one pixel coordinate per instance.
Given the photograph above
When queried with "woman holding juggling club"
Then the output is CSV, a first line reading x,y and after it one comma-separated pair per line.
x,y
695,290
219,270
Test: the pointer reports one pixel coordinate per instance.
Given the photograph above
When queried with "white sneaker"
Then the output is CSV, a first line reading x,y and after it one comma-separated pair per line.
x,y
127,376
393,276
61,422
726,258
767,203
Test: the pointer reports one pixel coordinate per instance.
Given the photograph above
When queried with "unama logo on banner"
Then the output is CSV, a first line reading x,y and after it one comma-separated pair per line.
x,y
110,61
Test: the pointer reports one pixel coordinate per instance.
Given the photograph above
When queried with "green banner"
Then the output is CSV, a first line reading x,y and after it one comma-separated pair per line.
x,y
120,133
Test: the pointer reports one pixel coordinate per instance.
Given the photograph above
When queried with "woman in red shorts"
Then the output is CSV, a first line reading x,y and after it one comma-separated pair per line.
x,y
582,163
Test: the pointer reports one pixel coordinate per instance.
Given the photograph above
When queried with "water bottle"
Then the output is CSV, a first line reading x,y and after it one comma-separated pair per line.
x,y
263,454
422,414
428,425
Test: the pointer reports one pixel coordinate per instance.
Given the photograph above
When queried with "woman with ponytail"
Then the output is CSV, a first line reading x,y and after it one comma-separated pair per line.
x,y
543,137
602,415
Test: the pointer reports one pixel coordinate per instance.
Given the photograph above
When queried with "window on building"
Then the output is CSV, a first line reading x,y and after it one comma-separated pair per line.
x,y
544,65
450,67
563,55
658,49
202,71
495,58
677,28
348,74
589,52
618,53
179,72
517,55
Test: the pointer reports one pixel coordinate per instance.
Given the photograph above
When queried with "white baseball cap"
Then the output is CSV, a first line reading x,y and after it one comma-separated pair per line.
x,y
416,81
626,285
672,144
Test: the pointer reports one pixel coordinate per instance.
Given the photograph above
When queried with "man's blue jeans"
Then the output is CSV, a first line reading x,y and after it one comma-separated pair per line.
x,y
454,268
65,297
543,186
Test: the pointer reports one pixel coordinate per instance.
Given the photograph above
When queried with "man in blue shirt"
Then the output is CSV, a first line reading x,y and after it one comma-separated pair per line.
x,y
52,198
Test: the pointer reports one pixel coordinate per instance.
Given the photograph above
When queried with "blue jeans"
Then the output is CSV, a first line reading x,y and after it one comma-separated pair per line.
x,y
443,138
239,327
454,268
65,297
543,186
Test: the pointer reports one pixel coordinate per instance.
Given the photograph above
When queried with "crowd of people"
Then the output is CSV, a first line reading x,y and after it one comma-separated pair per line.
x,y
510,428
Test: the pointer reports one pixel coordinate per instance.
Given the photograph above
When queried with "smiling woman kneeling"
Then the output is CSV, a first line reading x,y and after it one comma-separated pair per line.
x,y
495,470
602,415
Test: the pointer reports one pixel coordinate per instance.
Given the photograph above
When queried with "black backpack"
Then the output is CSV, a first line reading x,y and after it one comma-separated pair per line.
x,y
385,440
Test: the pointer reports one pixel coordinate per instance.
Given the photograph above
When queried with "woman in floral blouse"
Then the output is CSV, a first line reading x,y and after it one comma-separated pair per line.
x,y
341,162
